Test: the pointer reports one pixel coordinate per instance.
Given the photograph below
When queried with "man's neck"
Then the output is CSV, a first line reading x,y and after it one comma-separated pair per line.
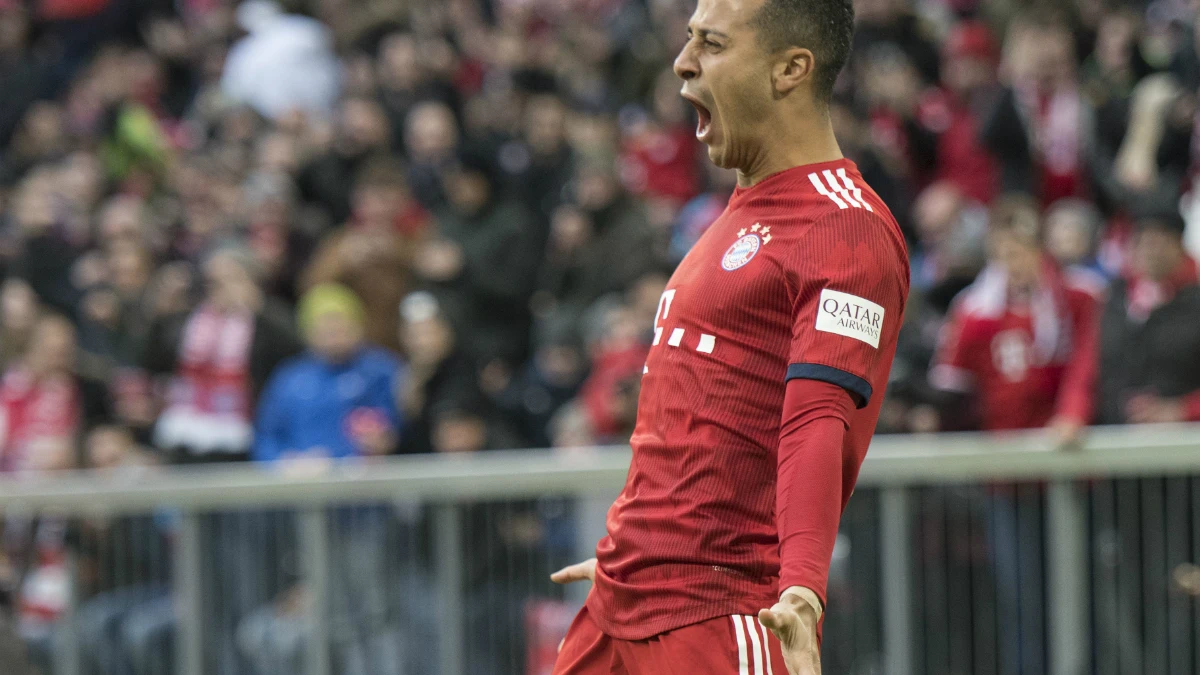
x,y
808,143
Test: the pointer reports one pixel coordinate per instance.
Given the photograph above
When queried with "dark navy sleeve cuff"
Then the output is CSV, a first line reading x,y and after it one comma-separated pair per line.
x,y
859,388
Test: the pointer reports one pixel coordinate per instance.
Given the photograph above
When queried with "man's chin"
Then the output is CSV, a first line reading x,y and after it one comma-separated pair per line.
x,y
717,157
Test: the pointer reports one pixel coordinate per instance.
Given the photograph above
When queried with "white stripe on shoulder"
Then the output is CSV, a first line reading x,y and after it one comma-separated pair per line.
x,y
816,181
837,187
743,663
853,188
758,651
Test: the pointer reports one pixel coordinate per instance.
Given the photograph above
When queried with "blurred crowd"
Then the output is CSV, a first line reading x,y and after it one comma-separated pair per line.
x,y
347,228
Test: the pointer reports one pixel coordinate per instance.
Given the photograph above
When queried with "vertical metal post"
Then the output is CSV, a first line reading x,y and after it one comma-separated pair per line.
x,y
896,549
189,649
67,658
449,564
590,529
1067,580
314,560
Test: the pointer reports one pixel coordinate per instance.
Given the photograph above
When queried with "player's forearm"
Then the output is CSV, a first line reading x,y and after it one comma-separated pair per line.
x,y
809,499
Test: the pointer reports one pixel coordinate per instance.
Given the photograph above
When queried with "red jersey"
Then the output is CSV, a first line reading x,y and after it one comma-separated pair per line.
x,y
1024,364
804,275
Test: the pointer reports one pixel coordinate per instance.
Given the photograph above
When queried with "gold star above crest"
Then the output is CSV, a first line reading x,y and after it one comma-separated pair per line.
x,y
766,239
766,230
742,232
755,227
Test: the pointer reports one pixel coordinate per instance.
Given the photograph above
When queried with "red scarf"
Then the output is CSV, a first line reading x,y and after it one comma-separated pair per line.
x,y
33,410
213,377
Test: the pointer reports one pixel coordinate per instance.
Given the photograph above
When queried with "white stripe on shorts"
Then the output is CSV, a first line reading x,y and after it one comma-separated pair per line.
x,y
743,663
758,648
766,647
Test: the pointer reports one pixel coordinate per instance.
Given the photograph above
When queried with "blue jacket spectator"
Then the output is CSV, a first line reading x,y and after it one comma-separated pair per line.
x,y
337,399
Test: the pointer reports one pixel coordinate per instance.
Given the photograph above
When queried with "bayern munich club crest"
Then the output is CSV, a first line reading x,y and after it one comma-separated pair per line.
x,y
746,247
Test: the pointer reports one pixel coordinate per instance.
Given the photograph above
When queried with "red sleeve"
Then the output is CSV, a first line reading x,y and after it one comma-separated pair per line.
x,y
811,492
1077,395
850,289
952,368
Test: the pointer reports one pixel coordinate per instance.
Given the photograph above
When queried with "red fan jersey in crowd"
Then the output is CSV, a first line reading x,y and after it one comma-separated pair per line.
x,y
802,279
1024,362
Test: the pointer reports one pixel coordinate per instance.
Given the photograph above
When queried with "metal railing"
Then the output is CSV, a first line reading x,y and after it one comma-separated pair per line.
x,y
909,604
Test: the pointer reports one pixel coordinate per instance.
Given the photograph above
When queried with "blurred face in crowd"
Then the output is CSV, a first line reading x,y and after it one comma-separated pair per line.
x,y
431,132
52,347
597,189
1042,54
427,340
335,336
18,306
277,153
459,431
1158,251
376,204
81,178
362,126
1069,234
546,123
42,129
130,266
1115,41
34,206
228,283
469,191
398,61
1019,256
726,78
937,212
121,220
14,26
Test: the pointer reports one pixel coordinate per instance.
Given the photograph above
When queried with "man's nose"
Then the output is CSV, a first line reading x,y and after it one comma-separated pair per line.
x,y
687,67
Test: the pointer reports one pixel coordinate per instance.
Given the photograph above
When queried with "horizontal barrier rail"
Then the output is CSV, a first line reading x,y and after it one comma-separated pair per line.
x,y
1161,450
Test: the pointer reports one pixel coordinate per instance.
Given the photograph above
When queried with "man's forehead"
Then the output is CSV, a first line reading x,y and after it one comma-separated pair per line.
x,y
723,15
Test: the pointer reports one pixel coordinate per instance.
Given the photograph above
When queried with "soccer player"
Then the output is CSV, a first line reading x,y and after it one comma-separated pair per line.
x,y
771,351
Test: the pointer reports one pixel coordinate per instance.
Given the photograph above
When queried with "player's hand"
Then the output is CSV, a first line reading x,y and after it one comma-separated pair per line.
x,y
794,621
577,572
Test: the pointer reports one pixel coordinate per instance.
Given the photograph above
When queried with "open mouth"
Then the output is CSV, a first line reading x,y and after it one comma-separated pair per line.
x,y
704,118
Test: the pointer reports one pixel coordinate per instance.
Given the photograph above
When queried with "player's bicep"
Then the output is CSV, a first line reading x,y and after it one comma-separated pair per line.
x,y
847,316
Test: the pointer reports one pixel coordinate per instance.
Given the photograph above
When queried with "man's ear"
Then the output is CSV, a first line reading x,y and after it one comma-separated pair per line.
x,y
793,69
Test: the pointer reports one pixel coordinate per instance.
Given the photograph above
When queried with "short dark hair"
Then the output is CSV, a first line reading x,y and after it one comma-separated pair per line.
x,y
824,26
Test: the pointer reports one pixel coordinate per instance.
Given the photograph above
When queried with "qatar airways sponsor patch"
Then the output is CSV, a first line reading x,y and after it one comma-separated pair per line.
x,y
851,316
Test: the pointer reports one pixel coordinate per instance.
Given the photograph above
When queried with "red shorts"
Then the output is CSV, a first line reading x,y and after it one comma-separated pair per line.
x,y
726,645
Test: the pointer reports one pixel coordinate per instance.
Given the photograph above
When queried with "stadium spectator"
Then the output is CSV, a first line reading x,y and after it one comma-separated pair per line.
x,y
1019,345
361,133
477,262
1019,342
337,399
950,240
1073,229
441,376
1148,348
46,405
372,254
217,359
1037,128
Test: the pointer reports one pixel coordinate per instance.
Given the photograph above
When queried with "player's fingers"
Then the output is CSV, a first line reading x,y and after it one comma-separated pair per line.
x,y
778,622
767,618
577,572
